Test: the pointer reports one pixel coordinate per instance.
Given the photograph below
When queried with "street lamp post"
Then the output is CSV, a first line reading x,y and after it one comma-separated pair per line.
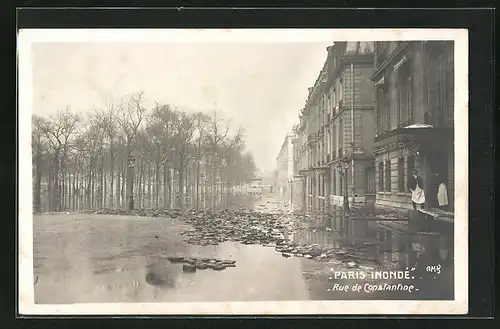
x,y
342,167
131,166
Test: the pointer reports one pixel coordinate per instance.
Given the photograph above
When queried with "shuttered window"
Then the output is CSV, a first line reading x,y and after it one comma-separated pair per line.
x,y
450,92
401,174
382,109
381,176
410,166
440,84
334,182
388,176
404,94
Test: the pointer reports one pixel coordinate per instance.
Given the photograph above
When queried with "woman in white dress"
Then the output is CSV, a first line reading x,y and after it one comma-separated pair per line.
x,y
442,194
416,187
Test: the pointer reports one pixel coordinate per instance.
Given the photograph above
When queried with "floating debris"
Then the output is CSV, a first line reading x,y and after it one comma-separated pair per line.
x,y
351,264
188,268
175,259
191,264
211,227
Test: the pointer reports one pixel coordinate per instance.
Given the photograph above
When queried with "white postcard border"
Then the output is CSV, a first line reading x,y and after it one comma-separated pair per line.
x,y
25,225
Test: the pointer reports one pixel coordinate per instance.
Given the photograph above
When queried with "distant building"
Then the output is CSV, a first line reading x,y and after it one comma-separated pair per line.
x,y
284,174
415,111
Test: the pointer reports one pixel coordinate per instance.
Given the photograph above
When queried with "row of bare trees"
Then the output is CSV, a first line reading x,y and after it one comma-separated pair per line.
x,y
124,154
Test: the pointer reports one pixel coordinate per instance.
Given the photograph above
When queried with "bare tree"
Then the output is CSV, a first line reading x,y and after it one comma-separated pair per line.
x,y
184,126
110,127
76,155
59,129
38,147
202,121
130,116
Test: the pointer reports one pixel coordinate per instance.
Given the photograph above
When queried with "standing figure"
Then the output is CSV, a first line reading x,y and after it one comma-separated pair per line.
x,y
416,188
442,194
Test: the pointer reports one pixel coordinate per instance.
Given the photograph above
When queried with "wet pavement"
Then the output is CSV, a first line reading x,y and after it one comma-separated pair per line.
x,y
89,258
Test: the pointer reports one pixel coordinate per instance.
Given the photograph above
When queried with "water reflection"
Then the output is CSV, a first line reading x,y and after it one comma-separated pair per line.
x,y
163,275
96,270
110,260
374,245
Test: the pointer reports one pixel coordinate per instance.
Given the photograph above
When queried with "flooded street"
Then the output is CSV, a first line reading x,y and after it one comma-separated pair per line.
x,y
89,258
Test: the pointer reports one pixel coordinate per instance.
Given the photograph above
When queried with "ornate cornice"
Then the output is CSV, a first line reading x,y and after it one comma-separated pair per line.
x,y
392,56
343,61
410,145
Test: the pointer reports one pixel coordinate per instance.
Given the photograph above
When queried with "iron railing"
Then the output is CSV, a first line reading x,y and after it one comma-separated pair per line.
x,y
435,117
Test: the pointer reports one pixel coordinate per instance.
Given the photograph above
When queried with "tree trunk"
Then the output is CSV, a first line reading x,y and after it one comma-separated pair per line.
x,y
93,198
38,184
73,190
181,187
88,189
143,190
198,185
105,185
157,181
123,200
49,190
139,184
112,172
76,195
150,199
100,186
118,188
169,182
165,187
61,187
56,181
70,190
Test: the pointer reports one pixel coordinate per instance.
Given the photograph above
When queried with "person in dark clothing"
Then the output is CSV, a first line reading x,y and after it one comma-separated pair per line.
x,y
416,187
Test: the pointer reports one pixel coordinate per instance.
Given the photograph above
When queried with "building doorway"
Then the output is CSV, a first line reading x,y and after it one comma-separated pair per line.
x,y
370,180
437,173
370,196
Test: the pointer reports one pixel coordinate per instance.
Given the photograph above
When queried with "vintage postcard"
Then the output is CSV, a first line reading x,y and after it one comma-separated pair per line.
x,y
252,171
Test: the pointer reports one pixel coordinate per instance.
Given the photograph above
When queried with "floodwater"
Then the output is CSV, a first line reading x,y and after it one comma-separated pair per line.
x,y
376,248
81,258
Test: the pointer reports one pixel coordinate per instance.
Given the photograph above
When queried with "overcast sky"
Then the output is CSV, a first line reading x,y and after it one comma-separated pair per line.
x,y
260,86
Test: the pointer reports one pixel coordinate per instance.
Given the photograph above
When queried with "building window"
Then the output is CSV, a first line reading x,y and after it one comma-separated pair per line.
x,y
334,101
334,182
320,185
329,142
381,51
410,166
405,94
381,176
401,174
341,183
340,91
341,137
440,85
323,179
450,91
383,111
334,142
388,176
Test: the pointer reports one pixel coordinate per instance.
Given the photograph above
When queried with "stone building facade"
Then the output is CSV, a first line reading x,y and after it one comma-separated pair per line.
x,y
284,175
337,126
414,119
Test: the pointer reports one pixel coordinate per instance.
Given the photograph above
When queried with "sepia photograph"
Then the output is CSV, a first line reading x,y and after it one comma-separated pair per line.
x,y
243,171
